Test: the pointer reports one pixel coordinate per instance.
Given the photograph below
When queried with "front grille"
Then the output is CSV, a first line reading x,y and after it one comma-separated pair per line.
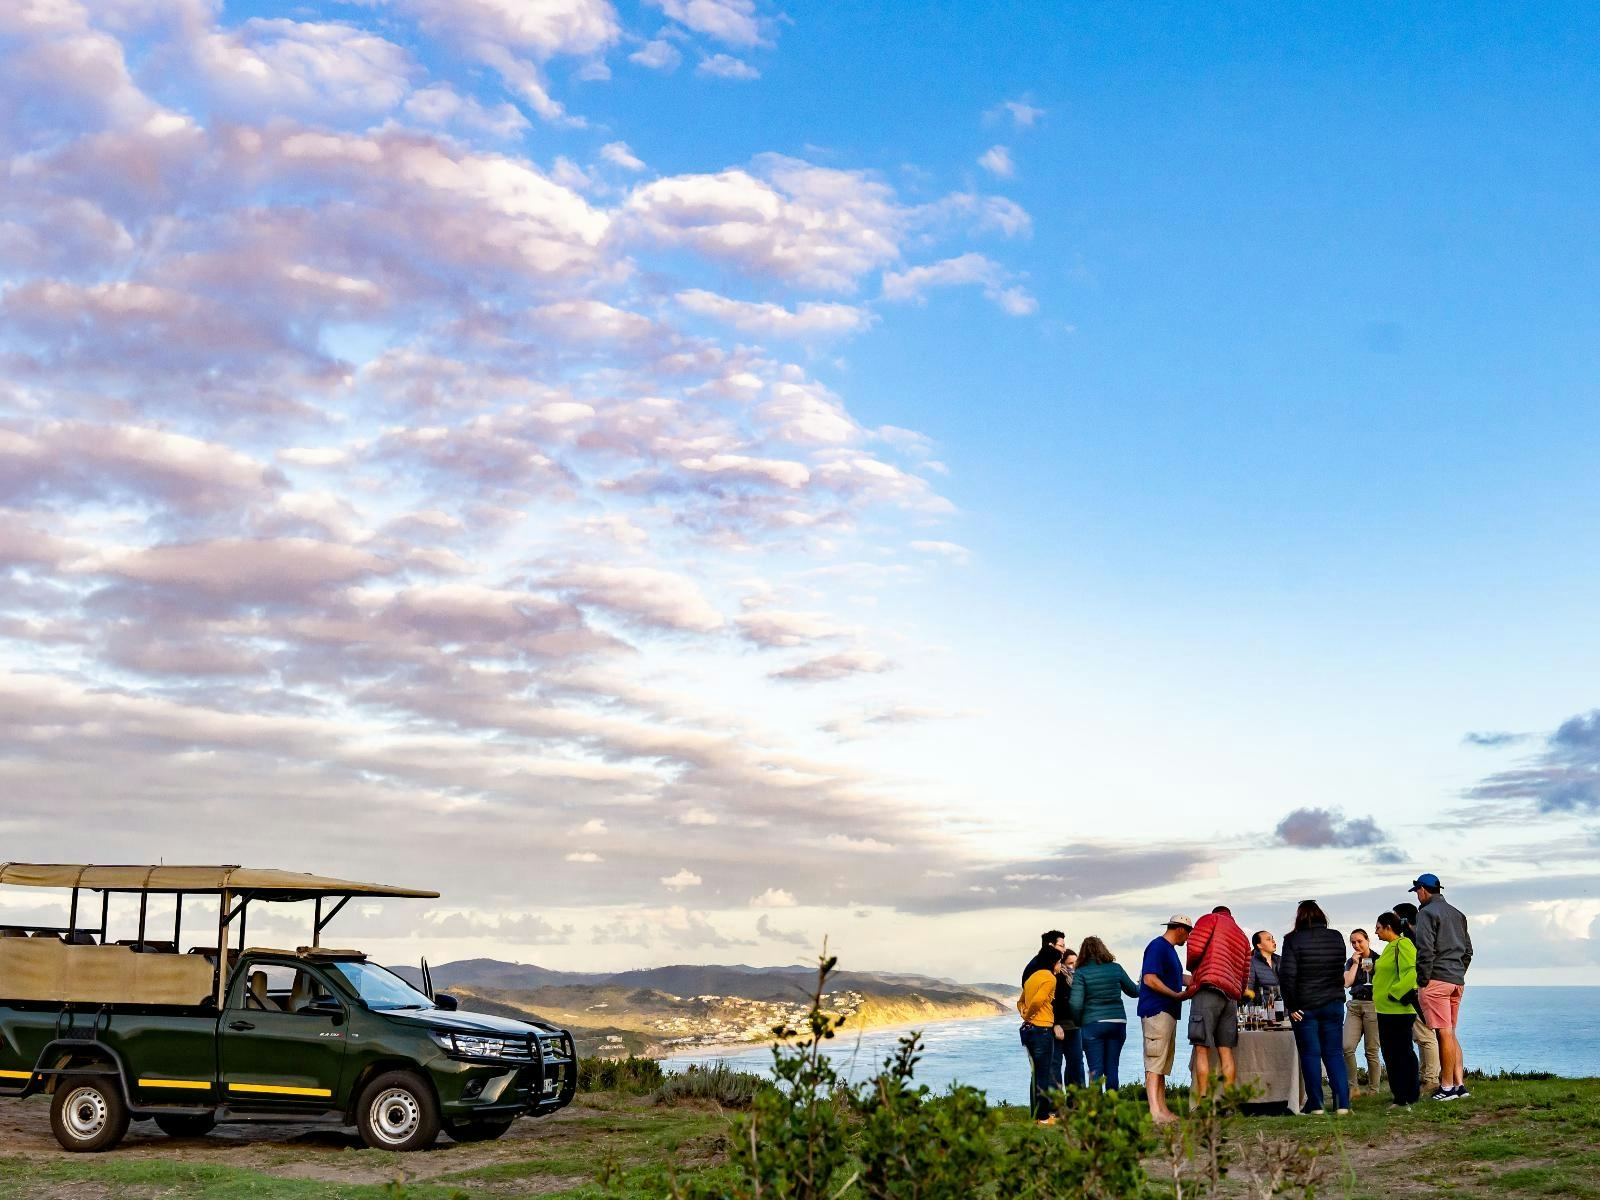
x,y
518,1052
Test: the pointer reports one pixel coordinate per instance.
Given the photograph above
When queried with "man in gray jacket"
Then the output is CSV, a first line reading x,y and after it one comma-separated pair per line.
x,y
1444,952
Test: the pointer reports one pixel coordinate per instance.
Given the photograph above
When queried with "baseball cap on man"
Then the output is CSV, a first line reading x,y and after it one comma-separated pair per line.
x,y
1175,920
1428,880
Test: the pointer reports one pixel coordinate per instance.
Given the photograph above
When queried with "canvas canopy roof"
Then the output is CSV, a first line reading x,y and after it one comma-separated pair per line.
x,y
259,884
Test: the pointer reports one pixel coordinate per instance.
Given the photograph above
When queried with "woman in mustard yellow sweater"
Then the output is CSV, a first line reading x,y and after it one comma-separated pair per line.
x,y
1037,1007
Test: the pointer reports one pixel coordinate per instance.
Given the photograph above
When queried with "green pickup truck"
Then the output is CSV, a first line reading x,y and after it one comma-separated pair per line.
x,y
142,1029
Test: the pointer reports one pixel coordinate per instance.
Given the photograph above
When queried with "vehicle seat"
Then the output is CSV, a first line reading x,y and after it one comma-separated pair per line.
x,y
258,992
5,933
81,937
303,992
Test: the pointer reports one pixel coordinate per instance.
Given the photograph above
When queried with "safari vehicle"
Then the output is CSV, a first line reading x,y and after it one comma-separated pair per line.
x,y
140,1028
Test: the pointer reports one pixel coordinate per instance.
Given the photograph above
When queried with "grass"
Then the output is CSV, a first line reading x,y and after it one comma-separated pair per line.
x,y
1513,1138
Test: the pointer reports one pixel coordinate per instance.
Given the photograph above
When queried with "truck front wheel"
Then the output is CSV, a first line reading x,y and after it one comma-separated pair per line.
x,y
398,1112
88,1114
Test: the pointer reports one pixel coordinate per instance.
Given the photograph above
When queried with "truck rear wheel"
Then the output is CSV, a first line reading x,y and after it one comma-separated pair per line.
x,y
397,1111
186,1125
88,1114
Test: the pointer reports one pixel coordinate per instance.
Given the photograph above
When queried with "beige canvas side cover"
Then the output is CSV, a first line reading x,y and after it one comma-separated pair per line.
x,y
39,969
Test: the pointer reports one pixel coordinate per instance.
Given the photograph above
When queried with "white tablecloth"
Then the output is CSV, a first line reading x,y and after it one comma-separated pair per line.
x,y
1268,1059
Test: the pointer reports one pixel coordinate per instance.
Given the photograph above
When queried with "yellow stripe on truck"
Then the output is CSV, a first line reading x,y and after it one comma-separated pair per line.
x,y
200,1085
273,1089
16,1074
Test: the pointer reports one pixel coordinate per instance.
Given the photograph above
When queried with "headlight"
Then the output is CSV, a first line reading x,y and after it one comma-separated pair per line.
x,y
469,1045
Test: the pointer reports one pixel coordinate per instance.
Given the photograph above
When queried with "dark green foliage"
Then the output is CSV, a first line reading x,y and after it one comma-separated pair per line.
x,y
718,1082
631,1076
914,1146
1094,1151
794,1140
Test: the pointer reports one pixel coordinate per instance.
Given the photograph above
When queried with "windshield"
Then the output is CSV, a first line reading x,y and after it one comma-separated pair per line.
x,y
380,988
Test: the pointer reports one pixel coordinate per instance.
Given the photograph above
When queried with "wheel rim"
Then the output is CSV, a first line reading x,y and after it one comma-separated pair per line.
x,y
86,1113
395,1115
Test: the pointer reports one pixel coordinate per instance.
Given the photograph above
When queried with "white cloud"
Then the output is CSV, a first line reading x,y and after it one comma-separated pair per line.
x,y
810,320
730,21
1023,115
965,270
278,66
658,55
773,898
837,666
997,161
583,856
951,550
682,879
648,595
618,154
725,66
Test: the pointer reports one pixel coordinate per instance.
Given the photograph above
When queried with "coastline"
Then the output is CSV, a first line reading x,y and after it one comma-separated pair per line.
x,y
713,1050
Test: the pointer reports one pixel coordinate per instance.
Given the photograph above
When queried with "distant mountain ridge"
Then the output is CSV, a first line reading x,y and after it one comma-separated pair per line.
x,y
683,979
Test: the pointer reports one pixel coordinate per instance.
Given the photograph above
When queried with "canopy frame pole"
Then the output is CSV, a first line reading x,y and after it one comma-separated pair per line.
x,y
244,918
322,921
316,924
72,916
177,922
223,917
144,908
105,916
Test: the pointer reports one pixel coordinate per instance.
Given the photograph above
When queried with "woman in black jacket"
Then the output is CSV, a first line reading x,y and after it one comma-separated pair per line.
x,y
1313,991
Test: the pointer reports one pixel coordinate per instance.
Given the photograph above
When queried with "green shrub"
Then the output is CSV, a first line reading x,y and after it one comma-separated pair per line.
x,y
718,1082
913,1146
793,1142
633,1076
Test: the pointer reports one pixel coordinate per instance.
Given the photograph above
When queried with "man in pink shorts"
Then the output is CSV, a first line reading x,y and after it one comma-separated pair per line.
x,y
1444,952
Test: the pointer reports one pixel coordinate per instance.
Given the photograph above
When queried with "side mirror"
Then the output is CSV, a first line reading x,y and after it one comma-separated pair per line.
x,y
326,1006
446,1001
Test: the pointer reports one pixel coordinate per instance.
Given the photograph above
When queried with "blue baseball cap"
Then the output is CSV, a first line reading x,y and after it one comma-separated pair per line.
x,y
1428,880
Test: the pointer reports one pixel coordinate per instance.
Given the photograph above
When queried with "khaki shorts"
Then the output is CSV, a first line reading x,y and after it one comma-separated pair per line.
x,y
1160,1043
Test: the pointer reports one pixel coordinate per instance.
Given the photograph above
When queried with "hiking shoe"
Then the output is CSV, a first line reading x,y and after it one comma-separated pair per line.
x,y
1444,1093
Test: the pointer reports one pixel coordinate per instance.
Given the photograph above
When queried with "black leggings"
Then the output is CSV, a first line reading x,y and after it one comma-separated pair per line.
x,y
1399,1056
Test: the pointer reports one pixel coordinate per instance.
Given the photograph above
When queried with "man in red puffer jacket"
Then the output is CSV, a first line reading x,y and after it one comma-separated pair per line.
x,y
1219,957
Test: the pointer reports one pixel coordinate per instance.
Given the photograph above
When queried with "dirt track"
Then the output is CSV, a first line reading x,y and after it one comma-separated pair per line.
x,y
304,1151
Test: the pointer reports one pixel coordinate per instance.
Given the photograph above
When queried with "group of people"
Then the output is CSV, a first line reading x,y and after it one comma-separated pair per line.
x,y
1404,1003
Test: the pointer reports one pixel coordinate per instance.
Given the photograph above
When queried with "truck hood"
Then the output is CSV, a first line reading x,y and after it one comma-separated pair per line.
x,y
460,1021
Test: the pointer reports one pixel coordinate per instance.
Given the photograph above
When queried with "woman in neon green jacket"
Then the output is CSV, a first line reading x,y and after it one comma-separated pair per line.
x,y
1394,994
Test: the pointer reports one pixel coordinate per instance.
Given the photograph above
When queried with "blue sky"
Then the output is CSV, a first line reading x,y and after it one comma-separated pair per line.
x,y
892,472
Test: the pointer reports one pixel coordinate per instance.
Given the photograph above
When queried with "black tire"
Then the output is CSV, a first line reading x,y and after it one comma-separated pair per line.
x,y
397,1111
186,1125
88,1114
477,1131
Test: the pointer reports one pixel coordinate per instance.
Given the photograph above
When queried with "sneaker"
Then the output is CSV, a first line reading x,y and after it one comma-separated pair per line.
x,y
1399,1108
1444,1093
1341,1112
1308,1111
1461,1091
1046,1121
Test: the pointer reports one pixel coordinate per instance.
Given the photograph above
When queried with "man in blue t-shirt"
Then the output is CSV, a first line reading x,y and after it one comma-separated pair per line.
x,y
1162,990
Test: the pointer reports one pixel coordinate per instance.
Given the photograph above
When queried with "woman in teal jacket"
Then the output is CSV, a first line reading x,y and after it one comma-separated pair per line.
x,y
1096,1005
1394,994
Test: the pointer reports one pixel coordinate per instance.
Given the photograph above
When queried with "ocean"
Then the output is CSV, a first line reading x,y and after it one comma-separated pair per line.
x,y
1502,1028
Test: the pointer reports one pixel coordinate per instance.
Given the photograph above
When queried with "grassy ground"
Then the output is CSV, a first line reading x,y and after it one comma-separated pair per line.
x,y
1510,1139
